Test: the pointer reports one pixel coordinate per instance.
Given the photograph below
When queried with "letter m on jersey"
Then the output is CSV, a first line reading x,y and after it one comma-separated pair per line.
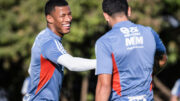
x,y
132,41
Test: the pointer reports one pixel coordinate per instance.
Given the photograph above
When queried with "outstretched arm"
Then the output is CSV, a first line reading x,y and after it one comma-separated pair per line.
x,y
76,63
103,88
55,52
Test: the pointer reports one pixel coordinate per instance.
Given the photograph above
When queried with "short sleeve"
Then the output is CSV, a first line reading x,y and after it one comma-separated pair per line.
x,y
104,58
52,49
176,89
159,45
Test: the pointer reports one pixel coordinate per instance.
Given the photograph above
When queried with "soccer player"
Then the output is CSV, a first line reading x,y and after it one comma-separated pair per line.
x,y
125,56
48,57
25,86
175,93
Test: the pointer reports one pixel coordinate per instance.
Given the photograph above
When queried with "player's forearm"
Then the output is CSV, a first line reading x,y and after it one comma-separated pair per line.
x,y
76,63
174,98
102,93
163,60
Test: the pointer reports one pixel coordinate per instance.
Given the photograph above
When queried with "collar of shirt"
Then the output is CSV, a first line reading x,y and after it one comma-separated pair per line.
x,y
53,34
122,24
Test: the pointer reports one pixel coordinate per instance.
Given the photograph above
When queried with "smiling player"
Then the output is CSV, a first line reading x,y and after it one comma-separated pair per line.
x,y
48,57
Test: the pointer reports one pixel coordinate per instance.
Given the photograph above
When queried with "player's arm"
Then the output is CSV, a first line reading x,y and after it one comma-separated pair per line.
x,y
76,63
160,55
160,60
55,52
174,98
103,70
103,88
163,60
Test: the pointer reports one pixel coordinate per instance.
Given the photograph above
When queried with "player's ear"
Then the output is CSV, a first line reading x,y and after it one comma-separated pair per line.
x,y
129,11
106,16
49,18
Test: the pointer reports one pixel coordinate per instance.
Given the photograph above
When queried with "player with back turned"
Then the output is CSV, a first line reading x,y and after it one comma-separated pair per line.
x,y
125,56
48,57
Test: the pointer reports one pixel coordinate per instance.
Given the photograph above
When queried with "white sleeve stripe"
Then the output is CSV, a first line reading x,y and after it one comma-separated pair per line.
x,y
59,47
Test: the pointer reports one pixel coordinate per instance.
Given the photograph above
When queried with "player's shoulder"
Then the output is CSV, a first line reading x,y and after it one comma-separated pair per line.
x,y
143,27
105,37
147,29
45,37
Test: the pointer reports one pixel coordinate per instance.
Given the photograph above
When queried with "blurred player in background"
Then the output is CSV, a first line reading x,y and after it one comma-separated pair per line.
x,y
125,56
25,86
175,93
48,57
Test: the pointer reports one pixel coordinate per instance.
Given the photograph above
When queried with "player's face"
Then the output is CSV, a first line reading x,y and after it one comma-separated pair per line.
x,y
62,19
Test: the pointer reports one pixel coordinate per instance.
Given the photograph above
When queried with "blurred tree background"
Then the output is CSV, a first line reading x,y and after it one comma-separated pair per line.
x,y
22,20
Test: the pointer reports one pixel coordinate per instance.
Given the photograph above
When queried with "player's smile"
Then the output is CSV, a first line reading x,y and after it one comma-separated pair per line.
x,y
61,20
67,26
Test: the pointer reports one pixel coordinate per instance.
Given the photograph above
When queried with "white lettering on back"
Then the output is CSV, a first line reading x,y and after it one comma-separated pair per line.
x,y
133,38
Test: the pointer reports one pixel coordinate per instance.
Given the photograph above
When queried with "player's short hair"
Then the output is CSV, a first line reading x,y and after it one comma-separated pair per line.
x,y
51,4
115,6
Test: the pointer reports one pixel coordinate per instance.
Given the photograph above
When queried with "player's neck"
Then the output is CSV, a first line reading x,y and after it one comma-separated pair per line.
x,y
119,19
55,31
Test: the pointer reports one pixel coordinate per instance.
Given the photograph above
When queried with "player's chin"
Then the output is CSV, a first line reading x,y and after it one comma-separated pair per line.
x,y
66,31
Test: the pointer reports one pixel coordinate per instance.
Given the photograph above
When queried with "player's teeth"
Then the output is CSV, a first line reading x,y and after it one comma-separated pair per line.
x,y
66,25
